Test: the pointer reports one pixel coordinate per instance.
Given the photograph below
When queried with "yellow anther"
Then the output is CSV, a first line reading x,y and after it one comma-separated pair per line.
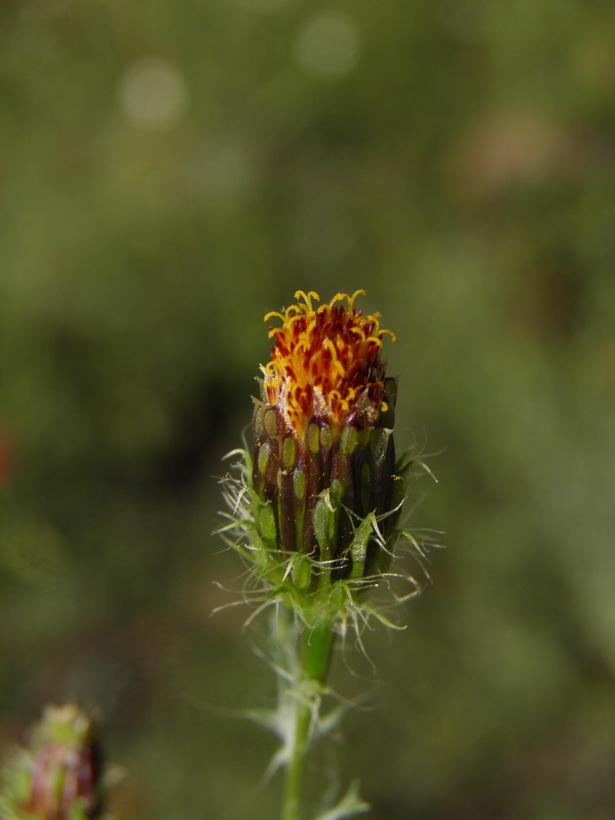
x,y
274,313
353,297
302,343
330,347
339,367
307,298
391,334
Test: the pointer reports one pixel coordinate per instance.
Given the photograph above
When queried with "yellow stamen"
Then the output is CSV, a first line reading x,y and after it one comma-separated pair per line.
x,y
274,313
287,312
353,297
326,362
307,298
330,347
391,334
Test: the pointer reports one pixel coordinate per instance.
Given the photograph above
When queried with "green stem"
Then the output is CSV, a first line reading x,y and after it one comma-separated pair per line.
x,y
316,658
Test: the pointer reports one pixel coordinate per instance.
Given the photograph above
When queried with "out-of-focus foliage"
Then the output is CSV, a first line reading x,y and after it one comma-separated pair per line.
x,y
171,171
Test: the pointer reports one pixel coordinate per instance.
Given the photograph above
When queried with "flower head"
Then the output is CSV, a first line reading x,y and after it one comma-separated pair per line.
x,y
324,457
326,363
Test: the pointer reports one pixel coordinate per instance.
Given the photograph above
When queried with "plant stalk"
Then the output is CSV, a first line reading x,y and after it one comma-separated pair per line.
x,y
317,647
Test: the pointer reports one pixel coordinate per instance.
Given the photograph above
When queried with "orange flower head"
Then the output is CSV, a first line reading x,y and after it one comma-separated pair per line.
x,y
326,364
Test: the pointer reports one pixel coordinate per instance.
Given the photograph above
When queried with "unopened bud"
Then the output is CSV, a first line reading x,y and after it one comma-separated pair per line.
x,y
324,456
59,775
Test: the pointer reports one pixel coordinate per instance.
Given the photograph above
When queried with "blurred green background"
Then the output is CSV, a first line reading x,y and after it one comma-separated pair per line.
x,y
169,172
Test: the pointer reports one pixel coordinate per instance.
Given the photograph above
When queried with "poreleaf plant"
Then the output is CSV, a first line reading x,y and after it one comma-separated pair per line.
x,y
314,507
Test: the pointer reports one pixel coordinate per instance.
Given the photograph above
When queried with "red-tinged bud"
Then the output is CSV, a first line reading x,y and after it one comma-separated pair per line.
x,y
324,457
59,775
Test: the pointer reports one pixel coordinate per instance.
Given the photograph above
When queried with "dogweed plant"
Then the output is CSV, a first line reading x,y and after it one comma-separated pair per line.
x,y
313,509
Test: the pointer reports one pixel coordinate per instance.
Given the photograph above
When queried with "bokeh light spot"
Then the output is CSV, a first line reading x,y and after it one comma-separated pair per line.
x,y
328,46
153,94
